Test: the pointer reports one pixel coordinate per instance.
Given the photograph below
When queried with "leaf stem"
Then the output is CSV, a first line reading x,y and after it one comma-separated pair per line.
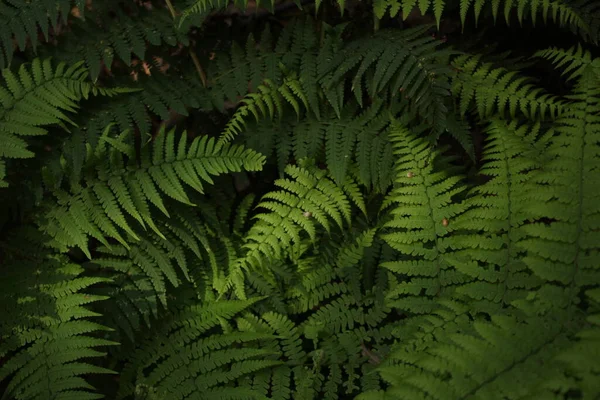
x,y
193,54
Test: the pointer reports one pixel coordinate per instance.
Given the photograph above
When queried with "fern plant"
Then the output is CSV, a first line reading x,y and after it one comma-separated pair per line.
x,y
294,200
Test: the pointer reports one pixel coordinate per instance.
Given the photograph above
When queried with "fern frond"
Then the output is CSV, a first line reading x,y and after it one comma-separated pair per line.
x,y
159,95
47,331
131,299
268,102
580,358
202,7
294,57
152,259
459,129
354,143
498,90
187,252
573,61
288,380
422,222
309,200
589,12
310,196
338,291
291,343
115,191
374,158
346,318
233,74
442,356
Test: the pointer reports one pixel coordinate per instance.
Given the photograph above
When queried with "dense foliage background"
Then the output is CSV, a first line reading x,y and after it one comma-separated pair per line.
x,y
370,199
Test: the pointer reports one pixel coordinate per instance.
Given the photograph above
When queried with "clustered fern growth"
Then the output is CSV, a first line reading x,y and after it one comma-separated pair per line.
x,y
330,200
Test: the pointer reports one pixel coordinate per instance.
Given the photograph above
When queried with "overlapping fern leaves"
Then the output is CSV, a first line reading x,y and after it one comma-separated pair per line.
x,y
268,102
160,96
452,366
109,33
24,19
39,95
357,140
544,271
332,285
408,63
340,293
210,366
49,336
570,242
443,358
241,70
343,316
188,253
574,15
497,211
307,202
